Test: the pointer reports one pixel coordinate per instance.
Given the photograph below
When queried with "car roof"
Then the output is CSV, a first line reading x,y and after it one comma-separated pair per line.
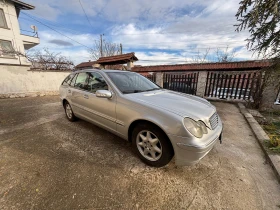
x,y
101,70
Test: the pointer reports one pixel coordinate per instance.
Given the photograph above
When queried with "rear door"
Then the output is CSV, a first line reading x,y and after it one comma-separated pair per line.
x,y
77,94
65,87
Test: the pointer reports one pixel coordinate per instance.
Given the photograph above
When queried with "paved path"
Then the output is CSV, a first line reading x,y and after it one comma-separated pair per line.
x,y
47,162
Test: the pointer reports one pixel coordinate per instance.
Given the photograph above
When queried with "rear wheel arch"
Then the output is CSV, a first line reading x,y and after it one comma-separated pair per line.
x,y
68,111
64,102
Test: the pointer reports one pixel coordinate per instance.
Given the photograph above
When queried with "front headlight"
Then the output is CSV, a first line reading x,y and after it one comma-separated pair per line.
x,y
195,128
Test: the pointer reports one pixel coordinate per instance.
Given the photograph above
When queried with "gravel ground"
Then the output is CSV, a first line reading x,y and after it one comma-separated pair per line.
x,y
47,162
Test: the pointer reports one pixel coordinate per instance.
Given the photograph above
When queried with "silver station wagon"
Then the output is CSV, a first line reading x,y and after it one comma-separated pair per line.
x,y
160,123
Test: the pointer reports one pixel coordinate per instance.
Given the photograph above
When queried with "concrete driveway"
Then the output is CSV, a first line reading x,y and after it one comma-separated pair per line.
x,y
47,162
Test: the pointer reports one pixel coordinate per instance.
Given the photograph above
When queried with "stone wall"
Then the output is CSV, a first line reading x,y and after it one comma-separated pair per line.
x,y
19,81
269,98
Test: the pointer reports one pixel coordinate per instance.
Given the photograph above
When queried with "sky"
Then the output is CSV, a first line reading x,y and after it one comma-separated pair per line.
x,y
159,32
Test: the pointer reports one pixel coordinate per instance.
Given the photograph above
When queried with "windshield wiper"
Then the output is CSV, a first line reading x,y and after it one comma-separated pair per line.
x,y
153,89
139,91
133,91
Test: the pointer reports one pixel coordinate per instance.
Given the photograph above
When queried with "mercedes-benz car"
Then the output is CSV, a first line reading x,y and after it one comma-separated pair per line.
x,y
160,123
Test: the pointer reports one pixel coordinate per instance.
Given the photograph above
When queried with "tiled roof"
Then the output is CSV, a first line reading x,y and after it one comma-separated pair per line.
x,y
238,65
86,64
117,59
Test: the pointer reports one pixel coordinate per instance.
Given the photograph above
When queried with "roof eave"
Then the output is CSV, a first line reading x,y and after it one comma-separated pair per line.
x,y
22,5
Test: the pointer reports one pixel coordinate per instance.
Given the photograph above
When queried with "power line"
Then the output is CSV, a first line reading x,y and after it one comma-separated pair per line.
x,y
171,47
152,44
56,26
200,40
135,34
85,13
55,30
155,33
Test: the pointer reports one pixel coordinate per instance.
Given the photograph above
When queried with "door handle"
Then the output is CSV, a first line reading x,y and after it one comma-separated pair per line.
x,y
86,96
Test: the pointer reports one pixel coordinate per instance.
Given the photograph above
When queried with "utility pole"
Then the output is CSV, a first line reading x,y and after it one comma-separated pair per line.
x,y
101,45
121,47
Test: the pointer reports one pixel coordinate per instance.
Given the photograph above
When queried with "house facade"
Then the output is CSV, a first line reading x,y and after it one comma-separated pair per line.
x,y
13,42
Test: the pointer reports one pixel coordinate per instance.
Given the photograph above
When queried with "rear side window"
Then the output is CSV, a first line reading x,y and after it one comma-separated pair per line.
x,y
81,81
68,79
72,84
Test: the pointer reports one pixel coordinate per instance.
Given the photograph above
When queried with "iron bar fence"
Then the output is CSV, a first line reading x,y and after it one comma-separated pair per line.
x,y
181,82
151,77
232,85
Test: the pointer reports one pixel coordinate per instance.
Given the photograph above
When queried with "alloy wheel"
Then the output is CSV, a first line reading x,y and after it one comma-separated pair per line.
x,y
68,110
149,145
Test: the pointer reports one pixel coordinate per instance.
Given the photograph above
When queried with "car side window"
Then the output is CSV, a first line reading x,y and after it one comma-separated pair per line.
x,y
81,81
68,79
96,82
72,84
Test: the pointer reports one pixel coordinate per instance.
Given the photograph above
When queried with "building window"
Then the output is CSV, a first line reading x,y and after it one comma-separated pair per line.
x,y
6,49
3,23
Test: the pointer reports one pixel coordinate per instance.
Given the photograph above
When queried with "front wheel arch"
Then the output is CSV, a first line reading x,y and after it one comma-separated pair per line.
x,y
138,122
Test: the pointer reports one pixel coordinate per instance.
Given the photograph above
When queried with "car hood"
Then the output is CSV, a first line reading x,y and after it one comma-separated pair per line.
x,y
179,103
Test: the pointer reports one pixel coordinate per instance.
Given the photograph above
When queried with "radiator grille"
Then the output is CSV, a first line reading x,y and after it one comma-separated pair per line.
x,y
214,120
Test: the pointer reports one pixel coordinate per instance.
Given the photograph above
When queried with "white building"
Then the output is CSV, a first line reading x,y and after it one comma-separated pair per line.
x,y
12,42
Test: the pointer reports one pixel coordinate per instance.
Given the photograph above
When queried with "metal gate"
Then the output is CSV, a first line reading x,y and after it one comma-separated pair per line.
x,y
232,85
181,82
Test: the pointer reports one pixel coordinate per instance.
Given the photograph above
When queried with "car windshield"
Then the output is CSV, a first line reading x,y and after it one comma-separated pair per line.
x,y
130,82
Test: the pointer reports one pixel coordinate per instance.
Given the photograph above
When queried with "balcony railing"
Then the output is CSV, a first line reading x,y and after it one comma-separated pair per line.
x,y
29,33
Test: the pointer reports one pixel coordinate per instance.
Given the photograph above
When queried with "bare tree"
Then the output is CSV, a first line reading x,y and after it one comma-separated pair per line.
x,y
225,55
108,49
46,60
201,57
218,55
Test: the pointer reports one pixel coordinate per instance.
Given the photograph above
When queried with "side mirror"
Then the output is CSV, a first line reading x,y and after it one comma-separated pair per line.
x,y
103,94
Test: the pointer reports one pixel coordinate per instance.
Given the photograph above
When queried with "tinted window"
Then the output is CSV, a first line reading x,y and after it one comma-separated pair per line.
x,y
81,81
96,82
68,80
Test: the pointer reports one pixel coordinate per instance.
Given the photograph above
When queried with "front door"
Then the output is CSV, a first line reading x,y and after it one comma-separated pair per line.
x,y
101,111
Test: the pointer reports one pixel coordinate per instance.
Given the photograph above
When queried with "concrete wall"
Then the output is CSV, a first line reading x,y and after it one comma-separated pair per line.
x,y
17,81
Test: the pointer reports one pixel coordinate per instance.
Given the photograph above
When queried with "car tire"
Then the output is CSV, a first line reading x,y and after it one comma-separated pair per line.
x,y
69,112
152,145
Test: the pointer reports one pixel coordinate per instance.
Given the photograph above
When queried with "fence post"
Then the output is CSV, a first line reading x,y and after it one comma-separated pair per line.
x,y
159,79
271,95
201,83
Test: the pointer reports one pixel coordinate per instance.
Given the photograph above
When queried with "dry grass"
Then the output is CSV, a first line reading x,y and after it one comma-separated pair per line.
x,y
273,130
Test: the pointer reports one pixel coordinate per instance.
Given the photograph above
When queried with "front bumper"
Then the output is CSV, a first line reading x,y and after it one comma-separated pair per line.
x,y
189,153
